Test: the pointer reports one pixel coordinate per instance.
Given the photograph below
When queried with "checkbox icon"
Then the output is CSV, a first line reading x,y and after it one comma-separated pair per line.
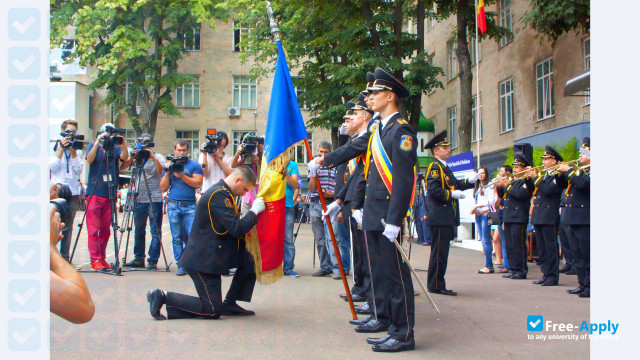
x,y
534,322
24,218
24,63
62,101
24,140
24,24
23,295
24,102
24,334
23,257
24,179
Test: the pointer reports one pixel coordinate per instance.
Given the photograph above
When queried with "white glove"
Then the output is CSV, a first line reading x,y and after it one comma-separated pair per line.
x,y
357,215
332,211
343,129
313,168
258,206
473,178
391,232
457,194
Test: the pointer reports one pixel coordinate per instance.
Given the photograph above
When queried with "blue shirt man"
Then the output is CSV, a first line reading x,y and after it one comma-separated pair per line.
x,y
181,202
292,174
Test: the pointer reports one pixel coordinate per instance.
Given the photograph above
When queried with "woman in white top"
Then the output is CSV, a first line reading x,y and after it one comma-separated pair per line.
x,y
483,201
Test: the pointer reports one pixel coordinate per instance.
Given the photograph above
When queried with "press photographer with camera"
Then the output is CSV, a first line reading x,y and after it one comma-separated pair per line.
x,y
181,177
106,157
216,165
65,167
69,296
152,164
249,153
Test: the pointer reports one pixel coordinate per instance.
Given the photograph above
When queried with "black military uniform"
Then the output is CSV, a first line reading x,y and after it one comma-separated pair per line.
x,y
545,218
577,212
564,236
216,245
443,215
515,216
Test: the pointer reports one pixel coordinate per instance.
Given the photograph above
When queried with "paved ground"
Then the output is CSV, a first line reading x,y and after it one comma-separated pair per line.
x,y
304,317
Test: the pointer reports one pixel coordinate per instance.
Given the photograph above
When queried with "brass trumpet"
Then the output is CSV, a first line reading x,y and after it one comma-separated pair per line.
x,y
572,164
511,177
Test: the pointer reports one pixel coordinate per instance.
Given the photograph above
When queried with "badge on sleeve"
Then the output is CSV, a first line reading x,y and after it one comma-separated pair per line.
x,y
434,174
227,202
406,142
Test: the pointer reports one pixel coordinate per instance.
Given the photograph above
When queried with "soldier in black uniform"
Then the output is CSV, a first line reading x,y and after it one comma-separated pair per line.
x,y
515,216
578,206
545,217
443,212
216,245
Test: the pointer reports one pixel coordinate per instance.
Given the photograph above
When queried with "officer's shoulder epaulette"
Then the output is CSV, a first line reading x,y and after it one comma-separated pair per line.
x,y
403,122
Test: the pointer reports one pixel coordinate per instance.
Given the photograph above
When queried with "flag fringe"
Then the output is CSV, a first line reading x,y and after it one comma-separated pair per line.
x,y
253,246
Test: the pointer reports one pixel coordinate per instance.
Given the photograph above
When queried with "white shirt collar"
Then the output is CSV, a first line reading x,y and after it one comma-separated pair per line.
x,y
386,120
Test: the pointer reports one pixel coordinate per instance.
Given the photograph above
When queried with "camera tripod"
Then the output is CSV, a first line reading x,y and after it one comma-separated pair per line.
x,y
109,155
137,176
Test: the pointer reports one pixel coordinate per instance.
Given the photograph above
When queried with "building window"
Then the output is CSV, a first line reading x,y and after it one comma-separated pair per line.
x,y
504,7
239,33
237,137
245,91
430,57
303,105
192,40
431,22
472,50
58,57
452,63
188,95
453,126
301,150
506,105
587,66
193,138
544,87
476,114
129,92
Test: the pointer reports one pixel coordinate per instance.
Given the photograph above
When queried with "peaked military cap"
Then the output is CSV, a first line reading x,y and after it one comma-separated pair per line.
x,y
551,153
520,159
438,140
586,146
361,104
349,113
385,81
370,79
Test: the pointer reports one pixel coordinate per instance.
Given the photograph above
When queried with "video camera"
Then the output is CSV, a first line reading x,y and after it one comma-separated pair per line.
x,y
139,152
115,137
62,202
250,143
177,165
75,140
213,141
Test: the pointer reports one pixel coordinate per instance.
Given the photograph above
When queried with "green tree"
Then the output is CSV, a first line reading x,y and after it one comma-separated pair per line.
x,y
334,43
552,18
139,42
465,11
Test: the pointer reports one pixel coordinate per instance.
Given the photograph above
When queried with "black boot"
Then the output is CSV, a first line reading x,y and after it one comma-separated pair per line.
x,y
156,299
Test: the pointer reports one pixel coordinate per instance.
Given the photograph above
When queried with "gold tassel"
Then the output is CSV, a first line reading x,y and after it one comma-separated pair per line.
x,y
253,246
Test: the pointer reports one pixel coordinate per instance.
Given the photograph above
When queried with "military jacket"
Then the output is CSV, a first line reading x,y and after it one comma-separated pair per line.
x,y
546,200
442,209
217,234
517,201
578,202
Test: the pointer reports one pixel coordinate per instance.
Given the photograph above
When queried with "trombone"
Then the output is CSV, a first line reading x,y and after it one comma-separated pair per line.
x,y
511,177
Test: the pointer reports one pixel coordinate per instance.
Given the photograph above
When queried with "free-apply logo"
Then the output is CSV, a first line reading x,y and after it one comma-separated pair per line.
x,y
534,322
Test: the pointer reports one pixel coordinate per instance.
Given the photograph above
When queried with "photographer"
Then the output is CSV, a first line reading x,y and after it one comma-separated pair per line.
x,y
216,165
98,202
65,167
181,177
254,149
69,296
152,167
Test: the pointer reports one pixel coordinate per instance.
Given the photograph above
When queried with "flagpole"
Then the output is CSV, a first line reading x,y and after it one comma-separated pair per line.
x,y
477,90
275,31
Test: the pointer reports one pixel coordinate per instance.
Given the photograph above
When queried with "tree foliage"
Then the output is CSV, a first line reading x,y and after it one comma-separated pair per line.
x,y
139,42
333,43
552,18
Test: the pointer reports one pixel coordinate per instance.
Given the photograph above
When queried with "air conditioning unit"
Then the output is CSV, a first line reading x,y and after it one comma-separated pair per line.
x,y
234,111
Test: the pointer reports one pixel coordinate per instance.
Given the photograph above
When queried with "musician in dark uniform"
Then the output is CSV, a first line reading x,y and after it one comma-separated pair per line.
x,y
577,211
443,211
216,244
515,217
545,216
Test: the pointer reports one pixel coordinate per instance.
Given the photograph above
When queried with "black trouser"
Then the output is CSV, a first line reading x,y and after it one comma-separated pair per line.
x,y
441,237
208,286
581,246
67,232
565,242
360,267
547,242
393,277
516,238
